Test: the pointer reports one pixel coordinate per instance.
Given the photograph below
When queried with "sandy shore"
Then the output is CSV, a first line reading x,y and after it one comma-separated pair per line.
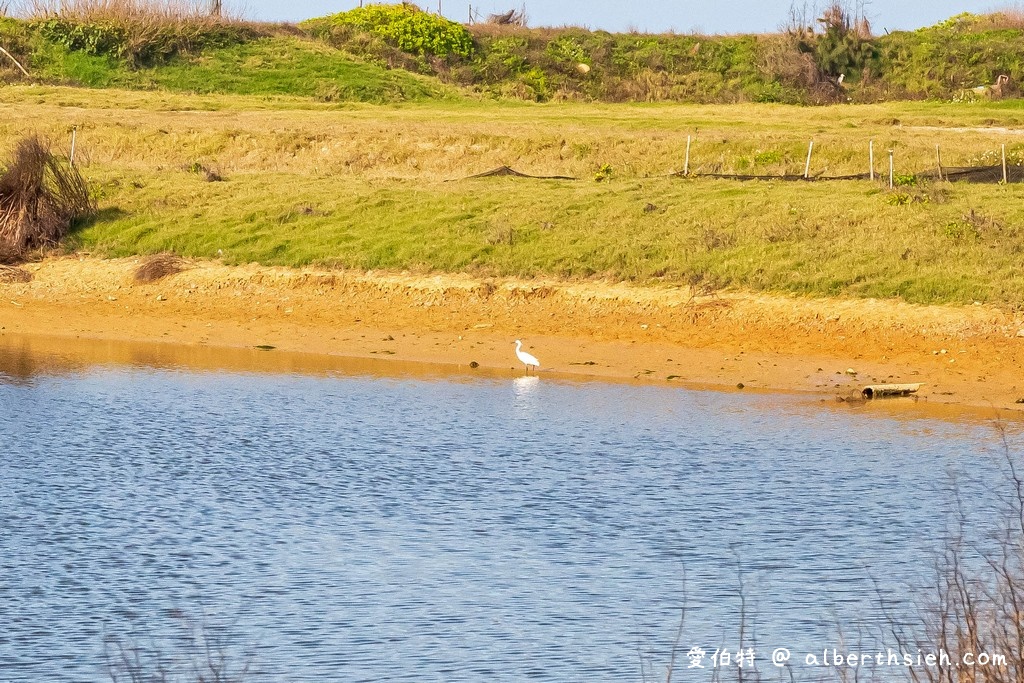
x,y
969,356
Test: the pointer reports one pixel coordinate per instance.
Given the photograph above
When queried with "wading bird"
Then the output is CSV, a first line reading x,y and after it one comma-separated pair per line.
x,y
526,358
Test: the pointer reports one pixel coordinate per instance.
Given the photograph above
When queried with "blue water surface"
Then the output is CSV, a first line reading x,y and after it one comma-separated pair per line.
x,y
364,528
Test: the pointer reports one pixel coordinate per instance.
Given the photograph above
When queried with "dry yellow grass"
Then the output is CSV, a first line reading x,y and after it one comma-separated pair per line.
x,y
437,141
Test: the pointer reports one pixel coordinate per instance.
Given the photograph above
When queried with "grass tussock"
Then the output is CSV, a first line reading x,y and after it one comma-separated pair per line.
x,y
11,274
41,197
158,267
210,175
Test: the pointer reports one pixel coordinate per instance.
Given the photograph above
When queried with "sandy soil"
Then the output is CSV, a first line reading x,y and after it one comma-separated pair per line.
x,y
967,356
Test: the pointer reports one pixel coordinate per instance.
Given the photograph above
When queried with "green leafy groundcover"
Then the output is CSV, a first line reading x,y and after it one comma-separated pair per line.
x,y
138,42
410,29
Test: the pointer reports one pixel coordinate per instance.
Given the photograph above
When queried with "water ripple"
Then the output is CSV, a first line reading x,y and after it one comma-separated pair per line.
x,y
366,529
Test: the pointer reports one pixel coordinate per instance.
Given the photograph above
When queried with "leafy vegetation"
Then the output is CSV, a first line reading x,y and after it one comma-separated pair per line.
x,y
948,60
403,26
141,45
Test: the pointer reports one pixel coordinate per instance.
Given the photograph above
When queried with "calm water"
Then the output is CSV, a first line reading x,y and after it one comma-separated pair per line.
x,y
365,528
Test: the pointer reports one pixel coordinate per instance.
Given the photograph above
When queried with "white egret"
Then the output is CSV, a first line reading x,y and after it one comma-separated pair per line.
x,y
526,358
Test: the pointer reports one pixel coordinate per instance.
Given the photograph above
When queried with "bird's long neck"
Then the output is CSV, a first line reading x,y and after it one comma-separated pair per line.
x,y
519,345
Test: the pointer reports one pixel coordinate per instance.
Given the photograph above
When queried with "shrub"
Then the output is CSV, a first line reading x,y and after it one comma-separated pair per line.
x,y
15,38
537,81
505,57
138,31
95,39
843,47
568,51
137,43
404,26
14,35
975,603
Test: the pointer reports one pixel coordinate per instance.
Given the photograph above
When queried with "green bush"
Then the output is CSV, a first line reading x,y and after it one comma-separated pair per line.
x,y
404,26
504,57
143,40
568,51
942,61
138,43
961,231
101,38
845,52
537,81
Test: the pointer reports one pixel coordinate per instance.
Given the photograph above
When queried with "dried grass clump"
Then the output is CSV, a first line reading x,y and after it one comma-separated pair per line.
x,y
158,267
208,174
780,58
140,12
513,17
1006,18
10,274
41,197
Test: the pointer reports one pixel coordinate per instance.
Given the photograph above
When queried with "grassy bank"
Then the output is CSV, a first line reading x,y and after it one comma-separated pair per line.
x,y
396,54
713,233
278,63
365,186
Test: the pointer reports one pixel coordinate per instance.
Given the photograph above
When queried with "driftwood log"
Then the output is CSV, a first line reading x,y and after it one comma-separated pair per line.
x,y
889,390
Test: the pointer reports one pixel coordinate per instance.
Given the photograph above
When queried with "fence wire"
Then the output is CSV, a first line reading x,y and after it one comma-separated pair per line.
x,y
967,174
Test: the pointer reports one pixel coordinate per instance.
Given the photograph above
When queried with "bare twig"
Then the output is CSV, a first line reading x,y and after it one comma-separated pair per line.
x,y
16,62
679,633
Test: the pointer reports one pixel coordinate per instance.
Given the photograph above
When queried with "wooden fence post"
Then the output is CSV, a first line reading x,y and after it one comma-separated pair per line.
x,y
871,159
686,163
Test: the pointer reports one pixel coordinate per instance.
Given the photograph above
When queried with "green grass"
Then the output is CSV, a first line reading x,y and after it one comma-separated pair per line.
x,y
267,66
289,66
763,236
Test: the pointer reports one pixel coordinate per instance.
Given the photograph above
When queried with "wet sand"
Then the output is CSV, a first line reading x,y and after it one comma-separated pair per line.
x,y
967,356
